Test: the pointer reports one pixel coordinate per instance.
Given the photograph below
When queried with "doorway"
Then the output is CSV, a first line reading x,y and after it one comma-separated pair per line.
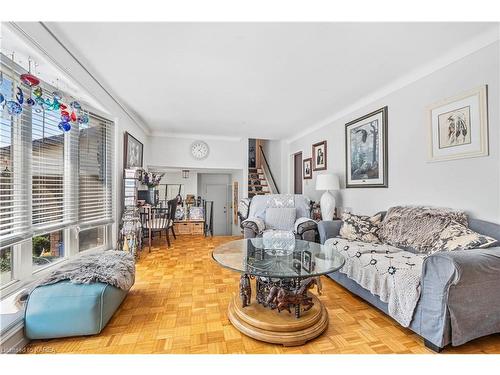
x,y
297,173
216,188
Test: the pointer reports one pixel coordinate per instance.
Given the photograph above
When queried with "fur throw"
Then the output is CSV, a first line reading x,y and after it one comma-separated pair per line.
x,y
417,227
116,268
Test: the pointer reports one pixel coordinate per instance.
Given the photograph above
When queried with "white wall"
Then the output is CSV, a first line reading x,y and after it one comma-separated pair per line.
x,y
190,184
124,122
469,184
176,152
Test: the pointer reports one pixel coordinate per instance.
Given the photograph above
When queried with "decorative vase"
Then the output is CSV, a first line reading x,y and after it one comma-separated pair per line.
x,y
151,196
327,203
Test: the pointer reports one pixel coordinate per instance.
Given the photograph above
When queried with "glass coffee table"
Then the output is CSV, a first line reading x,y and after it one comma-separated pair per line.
x,y
283,310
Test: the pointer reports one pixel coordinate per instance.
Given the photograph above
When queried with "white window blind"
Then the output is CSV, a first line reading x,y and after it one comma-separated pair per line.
x,y
15,160
95,172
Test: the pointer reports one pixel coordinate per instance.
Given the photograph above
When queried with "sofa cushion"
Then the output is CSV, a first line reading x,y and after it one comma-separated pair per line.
x,y
280,218
458,237
417,227
360,228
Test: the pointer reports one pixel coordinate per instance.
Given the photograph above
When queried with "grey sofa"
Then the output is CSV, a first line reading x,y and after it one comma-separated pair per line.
x,y
460,293
253,217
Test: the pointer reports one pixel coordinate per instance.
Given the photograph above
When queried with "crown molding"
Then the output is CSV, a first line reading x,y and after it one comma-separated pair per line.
x,y
481,41
20,31
195,136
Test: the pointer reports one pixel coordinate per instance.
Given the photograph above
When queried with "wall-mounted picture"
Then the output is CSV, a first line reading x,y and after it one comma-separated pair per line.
x,y
366,150
132,152
459,126
307,166
319,156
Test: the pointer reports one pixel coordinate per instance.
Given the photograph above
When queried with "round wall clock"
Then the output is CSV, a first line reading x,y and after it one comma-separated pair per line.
x,y
199,150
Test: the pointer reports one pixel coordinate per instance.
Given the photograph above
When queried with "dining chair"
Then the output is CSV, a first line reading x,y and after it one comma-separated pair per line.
x,y
156,222
172,207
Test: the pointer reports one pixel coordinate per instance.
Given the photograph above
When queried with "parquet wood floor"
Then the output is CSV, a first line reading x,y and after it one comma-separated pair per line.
x,y
179,305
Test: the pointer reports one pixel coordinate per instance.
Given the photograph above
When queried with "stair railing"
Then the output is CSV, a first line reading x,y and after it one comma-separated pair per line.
x,y
267,172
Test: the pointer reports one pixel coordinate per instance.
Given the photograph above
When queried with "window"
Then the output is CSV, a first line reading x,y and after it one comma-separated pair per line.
x,y
47,248
95,178
14,199
52,183
5,266
91,238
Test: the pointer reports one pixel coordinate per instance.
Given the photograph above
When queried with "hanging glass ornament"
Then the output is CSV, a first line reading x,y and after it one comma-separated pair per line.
x,y
30,101
65,117
65,113
29,80
62,106
20,95
14,108
55,105
64,126
2,100
38,92
73,116
38,108
75,105
83,119
57,95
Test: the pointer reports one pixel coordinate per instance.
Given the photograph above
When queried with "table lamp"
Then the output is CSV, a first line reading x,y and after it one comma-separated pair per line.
x,y
327,182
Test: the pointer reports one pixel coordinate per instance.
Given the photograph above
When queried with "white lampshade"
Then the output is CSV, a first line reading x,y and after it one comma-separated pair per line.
x,y
327,182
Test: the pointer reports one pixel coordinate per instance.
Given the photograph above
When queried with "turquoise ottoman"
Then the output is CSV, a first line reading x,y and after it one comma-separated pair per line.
x,y
65,309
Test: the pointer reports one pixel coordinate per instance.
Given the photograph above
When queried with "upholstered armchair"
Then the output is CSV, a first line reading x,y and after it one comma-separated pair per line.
x,y
277,215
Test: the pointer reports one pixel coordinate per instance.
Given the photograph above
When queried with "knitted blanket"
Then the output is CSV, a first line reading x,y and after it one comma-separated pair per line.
x,y
386,271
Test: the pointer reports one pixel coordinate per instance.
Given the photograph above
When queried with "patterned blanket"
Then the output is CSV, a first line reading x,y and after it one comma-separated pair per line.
x,y
386,271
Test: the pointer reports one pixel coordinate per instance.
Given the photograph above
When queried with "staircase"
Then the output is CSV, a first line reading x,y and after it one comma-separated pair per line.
x,y
257,182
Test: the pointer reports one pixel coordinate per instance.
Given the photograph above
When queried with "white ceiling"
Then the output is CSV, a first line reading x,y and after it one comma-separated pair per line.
x,y
264,80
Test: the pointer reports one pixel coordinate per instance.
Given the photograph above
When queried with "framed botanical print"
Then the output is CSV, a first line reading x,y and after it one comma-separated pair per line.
x,y
307,168
319,156
132,152
366,150
459,126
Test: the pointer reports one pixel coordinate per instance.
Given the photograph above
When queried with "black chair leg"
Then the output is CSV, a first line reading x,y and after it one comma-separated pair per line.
x,y
168,239
173,232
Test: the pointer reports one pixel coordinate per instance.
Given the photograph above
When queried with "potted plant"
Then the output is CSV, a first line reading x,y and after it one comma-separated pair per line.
x,y
151,180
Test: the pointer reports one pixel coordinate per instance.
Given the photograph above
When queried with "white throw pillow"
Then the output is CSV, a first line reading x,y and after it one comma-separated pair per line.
x,y
280,218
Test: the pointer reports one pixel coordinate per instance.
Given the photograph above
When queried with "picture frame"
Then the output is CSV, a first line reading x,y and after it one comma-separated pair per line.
x,y
306,260
367,151
133,152
458,126
319,156
307,169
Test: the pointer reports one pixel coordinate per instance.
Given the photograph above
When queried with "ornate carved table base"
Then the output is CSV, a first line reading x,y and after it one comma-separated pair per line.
x,y
268,317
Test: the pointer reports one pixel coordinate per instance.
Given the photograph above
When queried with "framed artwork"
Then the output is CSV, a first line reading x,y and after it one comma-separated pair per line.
x,y
307,168
366,150
459,126
319,156
132,152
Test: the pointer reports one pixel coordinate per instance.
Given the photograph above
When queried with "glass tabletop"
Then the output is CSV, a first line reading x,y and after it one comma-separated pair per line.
x,y
278,258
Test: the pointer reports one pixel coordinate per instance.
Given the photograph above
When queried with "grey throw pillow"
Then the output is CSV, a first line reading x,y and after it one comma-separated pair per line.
x,y
280,218
360,228
458,237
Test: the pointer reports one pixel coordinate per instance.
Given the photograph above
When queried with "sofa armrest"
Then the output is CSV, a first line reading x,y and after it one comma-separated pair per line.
x,y
463,284
303,224
328,229
254,224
